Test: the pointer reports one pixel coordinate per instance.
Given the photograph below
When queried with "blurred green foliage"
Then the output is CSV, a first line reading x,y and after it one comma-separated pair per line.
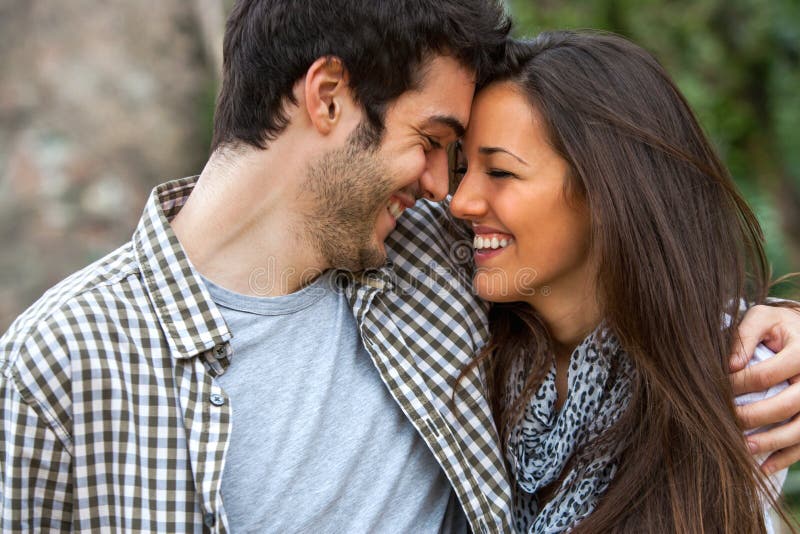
x,y
738,63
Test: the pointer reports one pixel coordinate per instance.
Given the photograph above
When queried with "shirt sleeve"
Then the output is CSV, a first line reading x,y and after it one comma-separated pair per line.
x,y
35,486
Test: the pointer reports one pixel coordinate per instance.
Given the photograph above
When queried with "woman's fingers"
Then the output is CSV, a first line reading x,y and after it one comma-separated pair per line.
x,y
781,459
775,439
782,406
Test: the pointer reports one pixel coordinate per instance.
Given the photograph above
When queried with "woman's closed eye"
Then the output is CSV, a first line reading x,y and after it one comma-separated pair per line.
x,y
499,173
461,170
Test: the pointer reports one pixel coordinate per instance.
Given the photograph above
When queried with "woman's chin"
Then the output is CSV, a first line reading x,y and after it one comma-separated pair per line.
x,y
494,287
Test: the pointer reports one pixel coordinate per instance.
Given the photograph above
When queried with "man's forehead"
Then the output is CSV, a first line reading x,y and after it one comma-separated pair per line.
x,y
442,100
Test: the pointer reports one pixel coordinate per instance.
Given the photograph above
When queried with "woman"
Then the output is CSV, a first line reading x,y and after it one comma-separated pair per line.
x,y
614,244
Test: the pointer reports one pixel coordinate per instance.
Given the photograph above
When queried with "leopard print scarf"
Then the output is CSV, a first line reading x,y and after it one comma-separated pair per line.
x,y
549,445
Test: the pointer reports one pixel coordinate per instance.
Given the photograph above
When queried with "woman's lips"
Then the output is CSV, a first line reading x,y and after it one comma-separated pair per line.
x,y
489,242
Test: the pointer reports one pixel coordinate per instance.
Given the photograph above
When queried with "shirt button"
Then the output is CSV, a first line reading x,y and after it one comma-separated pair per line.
x,y
209,520
217,399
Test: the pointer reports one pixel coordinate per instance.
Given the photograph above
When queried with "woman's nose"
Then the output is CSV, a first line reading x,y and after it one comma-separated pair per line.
x,y
468,201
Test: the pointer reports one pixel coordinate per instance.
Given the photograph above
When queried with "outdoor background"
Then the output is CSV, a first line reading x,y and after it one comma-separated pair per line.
x,y
100,101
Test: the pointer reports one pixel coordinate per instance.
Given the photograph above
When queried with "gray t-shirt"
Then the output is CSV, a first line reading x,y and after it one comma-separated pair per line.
x,y
318,444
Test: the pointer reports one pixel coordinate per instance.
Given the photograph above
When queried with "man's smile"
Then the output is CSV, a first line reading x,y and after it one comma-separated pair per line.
x,y
398,204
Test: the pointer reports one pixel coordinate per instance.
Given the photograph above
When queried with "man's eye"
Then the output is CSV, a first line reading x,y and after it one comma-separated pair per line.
x,y
433,144
457,164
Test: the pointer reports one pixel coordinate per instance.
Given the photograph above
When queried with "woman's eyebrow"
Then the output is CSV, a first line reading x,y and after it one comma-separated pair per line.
x,y
494,149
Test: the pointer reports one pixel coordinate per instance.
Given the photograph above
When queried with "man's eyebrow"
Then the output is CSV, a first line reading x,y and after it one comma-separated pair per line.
x,y
448,121
494,149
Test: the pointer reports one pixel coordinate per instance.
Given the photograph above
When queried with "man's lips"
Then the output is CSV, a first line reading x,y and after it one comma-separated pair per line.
x,y
398,203
406,200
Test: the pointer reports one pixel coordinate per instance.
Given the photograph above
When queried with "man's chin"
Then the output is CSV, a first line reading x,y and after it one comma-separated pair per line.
x,y
365,258
373,257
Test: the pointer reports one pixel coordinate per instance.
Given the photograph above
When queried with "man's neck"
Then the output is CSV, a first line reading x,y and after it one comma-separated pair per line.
x,y
242,228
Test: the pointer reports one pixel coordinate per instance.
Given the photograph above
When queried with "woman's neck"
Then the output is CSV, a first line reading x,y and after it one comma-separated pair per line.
x,y
570,313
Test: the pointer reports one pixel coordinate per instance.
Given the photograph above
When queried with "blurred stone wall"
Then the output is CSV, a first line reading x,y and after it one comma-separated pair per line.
x,y
99,102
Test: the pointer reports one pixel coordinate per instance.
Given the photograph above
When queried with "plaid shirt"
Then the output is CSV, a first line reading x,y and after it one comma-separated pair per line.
x,y
112,419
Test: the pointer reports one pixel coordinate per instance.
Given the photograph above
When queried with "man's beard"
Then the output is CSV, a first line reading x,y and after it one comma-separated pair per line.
x,y
348,188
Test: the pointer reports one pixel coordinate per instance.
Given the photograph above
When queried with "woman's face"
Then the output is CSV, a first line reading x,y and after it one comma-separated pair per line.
x,y
531,241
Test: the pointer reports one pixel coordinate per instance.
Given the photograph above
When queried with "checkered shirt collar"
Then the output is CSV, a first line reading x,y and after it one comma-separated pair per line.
x,y
190,319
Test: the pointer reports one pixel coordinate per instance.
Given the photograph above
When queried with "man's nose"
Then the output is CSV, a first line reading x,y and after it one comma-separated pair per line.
x,y
434,181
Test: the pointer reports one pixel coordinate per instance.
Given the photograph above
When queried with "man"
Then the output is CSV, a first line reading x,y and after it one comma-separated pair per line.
x,y
209,375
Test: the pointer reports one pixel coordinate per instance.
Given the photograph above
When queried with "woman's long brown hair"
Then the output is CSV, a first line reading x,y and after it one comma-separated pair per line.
x,y
678,249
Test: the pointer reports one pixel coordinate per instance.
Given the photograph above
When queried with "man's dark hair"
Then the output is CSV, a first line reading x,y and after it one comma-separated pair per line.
x,y
270,44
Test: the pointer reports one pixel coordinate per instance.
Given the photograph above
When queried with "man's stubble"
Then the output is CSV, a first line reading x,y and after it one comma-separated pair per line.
x,y
348,188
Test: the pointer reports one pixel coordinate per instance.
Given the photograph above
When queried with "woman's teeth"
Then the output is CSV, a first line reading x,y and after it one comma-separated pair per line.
x,y
487,242
395,209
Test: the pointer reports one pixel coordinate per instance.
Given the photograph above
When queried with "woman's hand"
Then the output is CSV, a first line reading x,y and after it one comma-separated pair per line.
x,y
779,329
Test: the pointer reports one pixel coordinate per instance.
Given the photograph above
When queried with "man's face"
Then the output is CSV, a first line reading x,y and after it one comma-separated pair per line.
x,y
361,193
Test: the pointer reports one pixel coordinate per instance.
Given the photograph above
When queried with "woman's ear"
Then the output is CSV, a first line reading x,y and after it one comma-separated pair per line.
x,y
326,90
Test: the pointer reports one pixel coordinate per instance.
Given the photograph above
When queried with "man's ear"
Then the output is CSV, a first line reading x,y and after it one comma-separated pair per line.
x,y
326,91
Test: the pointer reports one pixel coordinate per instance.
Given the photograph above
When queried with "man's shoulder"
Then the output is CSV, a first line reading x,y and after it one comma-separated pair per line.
x,y
431,261
429,234
36,352
430,220
70,306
